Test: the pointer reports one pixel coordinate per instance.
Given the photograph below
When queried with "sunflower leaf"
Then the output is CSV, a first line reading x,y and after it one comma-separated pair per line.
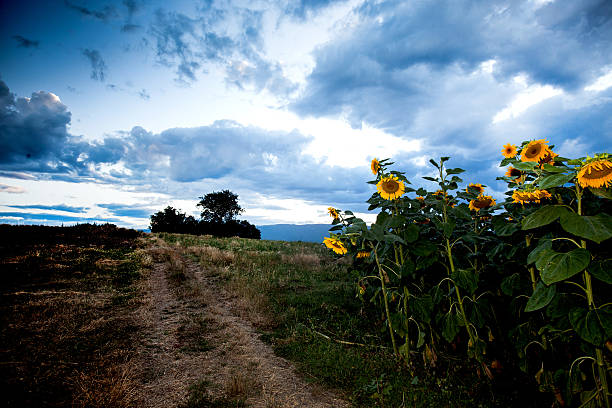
x,y
555,180
429,178
506,161
503,227
543,216
434,163
554,169
593,326
541,297
602,270
596,228
525,166
534,255
450,327
556,266
602,192
456,170
465,279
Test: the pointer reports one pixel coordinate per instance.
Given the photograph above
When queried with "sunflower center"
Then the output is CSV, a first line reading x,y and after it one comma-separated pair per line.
x,y
515,173
534,151
483,203
596,174
390,186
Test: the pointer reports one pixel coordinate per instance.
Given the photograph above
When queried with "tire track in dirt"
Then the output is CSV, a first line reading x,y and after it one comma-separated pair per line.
x,y
237,363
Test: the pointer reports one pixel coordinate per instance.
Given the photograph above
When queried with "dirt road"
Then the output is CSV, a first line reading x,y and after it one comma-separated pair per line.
x,y
196,333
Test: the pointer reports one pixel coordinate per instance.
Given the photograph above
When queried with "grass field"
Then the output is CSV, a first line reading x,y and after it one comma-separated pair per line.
x,y
304,302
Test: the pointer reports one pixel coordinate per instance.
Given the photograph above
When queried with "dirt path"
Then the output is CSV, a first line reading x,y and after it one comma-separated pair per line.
x,y
194,333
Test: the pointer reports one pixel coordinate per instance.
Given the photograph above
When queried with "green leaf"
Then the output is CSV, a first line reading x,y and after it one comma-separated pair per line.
x,y
544,216
554,169
541,297
423,248
430,178
336,228
456,170
555,180
410,233
503,227
465,279
511,283
444,158
392,238
450,327
448,228
597,228
557,267
602,270
434,163
593,326
525,166
396,221
602,192
421,307
543,244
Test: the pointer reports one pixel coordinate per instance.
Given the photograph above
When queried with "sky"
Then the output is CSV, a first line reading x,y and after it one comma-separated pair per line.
x,y
112,110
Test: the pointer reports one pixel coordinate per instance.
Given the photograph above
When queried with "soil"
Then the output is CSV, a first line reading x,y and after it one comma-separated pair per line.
x,y
195,332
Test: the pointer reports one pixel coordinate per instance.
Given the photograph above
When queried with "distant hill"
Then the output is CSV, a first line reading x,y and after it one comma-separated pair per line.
x,y
294,232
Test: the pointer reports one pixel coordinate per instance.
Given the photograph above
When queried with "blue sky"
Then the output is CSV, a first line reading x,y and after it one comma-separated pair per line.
x,y
112,110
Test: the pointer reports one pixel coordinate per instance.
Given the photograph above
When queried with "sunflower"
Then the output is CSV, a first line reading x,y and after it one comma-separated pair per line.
x,y
480,202
535,151
375,165
390,188
509,150
549,158
335,245
512,172
526,197
596,174
439,192
420,198
363,254
478,187
333,213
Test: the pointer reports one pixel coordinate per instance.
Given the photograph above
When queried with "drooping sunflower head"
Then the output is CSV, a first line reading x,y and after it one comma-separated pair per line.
x,y
363,254
512,172
476,186
549,158
420,198
596,174
335,245
375,166
535,151
527,197
509,150
481,202
333,212
390,188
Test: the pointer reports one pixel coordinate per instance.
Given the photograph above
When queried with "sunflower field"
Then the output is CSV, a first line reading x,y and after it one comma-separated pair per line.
x,y
522,284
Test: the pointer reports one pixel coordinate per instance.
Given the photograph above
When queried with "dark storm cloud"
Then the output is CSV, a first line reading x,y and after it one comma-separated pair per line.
x,y
98,66
106,13
33,132
400,50
25,43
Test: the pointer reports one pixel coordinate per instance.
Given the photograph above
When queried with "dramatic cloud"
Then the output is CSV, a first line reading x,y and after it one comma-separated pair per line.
x,y
189,43
33,132
25,43
61,207
98,66
104,14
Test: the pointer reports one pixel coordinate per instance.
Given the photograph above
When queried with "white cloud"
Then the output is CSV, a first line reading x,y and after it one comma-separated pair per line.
x,y
525,99
602,83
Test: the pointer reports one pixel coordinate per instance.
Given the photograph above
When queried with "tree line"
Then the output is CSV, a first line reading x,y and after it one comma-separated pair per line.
x,y
217,218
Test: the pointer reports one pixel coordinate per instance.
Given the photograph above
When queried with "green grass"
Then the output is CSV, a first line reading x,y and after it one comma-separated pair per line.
x,y
310,297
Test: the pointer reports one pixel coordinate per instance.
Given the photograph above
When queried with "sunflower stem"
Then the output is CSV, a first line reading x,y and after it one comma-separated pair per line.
x,y
386,302
601,369
531,268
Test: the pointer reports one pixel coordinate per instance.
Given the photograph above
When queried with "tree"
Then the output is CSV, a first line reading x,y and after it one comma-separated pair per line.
x,y
171,220
219,206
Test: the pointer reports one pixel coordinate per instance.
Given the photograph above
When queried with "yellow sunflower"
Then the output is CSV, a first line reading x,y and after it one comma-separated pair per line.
x,y
390,188
549,158
476,186
333,212
509,150
335,245
480,202
535,151
596,174
526,197
375,165
363,254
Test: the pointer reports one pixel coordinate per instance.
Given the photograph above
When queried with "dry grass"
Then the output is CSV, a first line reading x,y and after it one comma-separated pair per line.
x,y
110,387
212,256
302,259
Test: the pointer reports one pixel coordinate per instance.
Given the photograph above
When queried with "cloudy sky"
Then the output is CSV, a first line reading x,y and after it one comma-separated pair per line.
x,y
111,110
